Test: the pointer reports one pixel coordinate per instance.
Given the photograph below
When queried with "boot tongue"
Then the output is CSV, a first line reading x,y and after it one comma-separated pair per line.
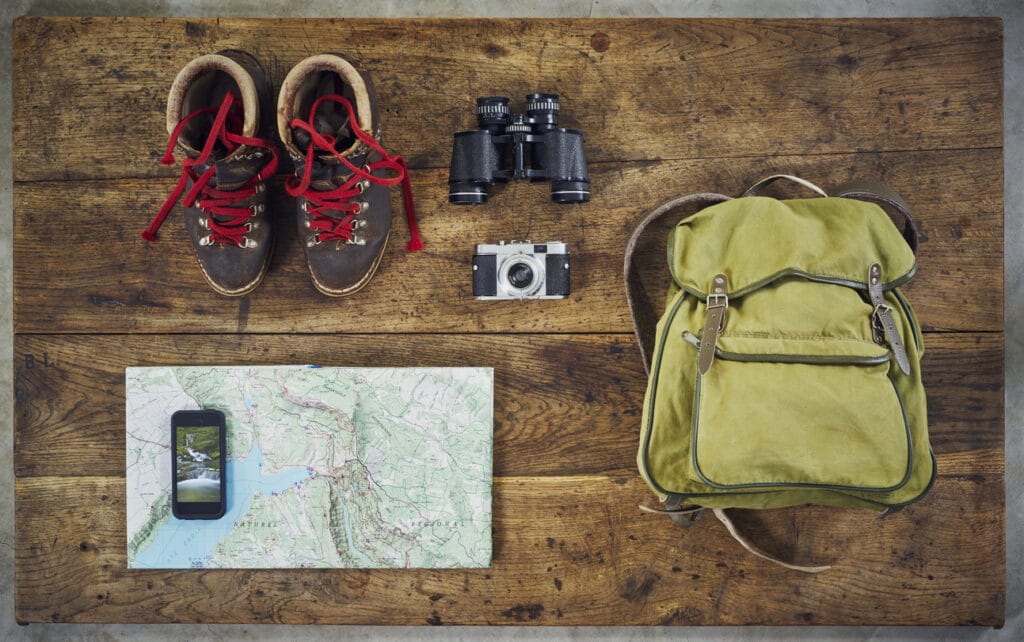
x,y
238,168
334,126
194,138
327,171
230,170
330,120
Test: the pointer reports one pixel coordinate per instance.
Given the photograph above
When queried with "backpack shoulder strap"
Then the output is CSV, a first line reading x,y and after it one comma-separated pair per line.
x,y
883,195
640,307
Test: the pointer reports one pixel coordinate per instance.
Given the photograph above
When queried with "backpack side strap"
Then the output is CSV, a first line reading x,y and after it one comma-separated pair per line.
x,y
746,543
686,516
645,318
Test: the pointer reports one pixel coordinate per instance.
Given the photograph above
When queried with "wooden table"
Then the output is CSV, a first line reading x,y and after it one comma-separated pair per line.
x,y
668,107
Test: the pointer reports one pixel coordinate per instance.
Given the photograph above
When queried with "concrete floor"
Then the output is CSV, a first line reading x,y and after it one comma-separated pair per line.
x,y
1012,12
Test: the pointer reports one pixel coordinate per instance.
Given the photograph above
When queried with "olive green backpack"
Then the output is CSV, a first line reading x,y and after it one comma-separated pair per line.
x,y
785,368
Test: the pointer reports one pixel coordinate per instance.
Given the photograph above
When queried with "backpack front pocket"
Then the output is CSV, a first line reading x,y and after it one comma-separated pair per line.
x,y
799,412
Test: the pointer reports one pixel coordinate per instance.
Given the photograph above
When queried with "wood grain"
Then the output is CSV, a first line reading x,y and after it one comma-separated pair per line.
x,y
97,275
654,89
668,107
564,405
568,551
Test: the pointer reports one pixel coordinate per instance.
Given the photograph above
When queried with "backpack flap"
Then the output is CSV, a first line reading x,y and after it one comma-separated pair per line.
x,y
757,240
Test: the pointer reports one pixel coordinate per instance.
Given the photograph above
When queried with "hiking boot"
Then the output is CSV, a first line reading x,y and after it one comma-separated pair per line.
x,y
213,117
327,119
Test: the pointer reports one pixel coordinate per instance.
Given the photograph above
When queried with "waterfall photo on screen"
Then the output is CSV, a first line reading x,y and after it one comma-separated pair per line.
x,y
198,453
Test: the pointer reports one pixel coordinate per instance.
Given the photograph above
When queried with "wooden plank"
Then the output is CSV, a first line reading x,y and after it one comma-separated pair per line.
x,y
80,266
568,551
564,405
639,89
668,107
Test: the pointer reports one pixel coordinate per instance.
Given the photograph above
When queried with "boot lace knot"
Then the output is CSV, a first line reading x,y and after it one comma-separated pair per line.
x,y
345,197
226,215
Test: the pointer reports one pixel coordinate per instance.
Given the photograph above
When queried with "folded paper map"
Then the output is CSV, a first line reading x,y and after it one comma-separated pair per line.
x,y
327,467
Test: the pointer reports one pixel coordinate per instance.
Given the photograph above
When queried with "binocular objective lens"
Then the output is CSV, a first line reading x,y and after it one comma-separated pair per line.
x,y
467,194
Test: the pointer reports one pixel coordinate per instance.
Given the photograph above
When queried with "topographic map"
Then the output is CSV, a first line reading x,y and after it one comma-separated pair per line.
x,y
327,467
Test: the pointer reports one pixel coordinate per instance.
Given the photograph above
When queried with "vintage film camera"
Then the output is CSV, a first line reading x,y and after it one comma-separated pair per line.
x,y
513,146
521,270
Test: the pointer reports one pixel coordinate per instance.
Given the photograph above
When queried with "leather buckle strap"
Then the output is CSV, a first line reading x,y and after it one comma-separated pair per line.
x,y
717,304
882,321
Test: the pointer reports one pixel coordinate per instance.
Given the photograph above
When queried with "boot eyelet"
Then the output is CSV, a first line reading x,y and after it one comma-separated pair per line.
x,y
202,223
257,208
359,223
307,224
356,240
358,208
206,240
249,227
304,207
247,243
314,241
260,188
363,185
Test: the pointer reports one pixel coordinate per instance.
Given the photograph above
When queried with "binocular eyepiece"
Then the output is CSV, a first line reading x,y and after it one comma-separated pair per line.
x,y
518,146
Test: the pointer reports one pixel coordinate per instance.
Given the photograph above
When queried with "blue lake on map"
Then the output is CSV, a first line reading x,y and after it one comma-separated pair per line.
x,y
187,543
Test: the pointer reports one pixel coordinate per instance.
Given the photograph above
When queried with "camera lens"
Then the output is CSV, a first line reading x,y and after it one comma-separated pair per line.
x,y
492,112
520,276
543,111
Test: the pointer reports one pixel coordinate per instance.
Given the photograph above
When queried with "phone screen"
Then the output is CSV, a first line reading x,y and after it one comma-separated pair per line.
x,y
198,459
199,464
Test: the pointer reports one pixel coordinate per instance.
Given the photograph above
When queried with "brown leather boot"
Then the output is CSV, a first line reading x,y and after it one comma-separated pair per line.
x,y
327,119
213,117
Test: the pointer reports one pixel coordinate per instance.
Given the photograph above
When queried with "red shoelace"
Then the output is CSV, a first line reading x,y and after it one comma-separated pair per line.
x,y
340,199
212,201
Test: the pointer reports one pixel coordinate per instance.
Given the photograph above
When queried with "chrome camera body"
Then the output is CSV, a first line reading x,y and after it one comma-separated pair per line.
x,y
521,270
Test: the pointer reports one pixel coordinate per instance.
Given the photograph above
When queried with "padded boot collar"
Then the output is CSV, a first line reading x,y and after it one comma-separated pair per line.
x,y
213,62
289,97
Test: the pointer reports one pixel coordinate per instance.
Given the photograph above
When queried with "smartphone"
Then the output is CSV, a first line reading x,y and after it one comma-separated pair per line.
x,y
198,448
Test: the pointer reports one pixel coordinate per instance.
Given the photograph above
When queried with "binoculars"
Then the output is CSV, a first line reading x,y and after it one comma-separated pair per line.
x,y
516,146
